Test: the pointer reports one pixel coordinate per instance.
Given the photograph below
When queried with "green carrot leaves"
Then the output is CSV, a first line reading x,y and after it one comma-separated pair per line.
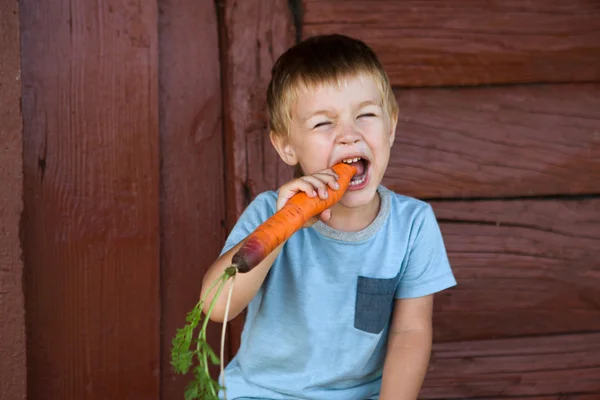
x,y
186,347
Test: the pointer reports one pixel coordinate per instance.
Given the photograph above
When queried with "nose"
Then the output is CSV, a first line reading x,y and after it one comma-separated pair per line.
x,y
348,135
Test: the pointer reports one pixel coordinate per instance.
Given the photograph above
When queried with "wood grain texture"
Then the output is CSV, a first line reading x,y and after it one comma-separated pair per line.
x,y
13,372
91,221
525,267
253,34
570,396
192,184
535,366
437,43
497,142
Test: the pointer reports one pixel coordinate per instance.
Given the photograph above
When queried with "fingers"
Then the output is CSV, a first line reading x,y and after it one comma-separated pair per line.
x,y
320,181
313,185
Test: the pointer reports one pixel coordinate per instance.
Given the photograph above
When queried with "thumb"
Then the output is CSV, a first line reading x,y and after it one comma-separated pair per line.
x,y
325,215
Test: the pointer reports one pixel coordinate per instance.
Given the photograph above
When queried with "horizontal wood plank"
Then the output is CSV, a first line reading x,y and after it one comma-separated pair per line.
x,y
559,396
496,142
524,267
570,396
435,43
537,366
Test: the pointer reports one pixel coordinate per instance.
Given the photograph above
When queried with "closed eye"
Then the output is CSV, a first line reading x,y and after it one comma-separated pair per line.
x,y
367,115
321,124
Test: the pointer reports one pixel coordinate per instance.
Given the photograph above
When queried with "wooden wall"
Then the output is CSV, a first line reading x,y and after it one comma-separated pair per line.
x,y
143,138
499,129
91,220
12,311
192,167
124,201
253,35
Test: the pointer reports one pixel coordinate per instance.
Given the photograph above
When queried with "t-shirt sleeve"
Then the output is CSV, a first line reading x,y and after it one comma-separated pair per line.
x,y
427,269
258,211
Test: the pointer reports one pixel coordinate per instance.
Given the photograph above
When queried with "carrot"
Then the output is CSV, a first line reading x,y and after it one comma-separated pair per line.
x,y
259,244
289,219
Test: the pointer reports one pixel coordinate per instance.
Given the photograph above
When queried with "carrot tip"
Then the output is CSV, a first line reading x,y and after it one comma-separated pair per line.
x,y
240,263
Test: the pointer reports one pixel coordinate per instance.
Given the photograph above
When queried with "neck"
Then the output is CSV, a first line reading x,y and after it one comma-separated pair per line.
x,y
354,219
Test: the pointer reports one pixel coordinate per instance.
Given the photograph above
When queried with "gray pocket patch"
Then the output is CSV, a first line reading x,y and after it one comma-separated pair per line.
x,y
374,301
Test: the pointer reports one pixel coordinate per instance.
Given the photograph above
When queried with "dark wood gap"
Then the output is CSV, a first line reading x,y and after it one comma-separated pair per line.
x,y
494,85
222,39
230,217
550,334
525,336
558,396
553,197
297,10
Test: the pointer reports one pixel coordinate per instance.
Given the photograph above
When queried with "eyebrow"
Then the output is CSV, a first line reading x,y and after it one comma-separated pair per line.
x,y
315,113
362,104
368,103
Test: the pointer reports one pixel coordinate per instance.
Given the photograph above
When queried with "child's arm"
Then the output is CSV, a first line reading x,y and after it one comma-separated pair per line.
x,y
247,284
409,349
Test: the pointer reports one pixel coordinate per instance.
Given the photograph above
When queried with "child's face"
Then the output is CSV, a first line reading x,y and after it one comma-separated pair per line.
x,y
330,124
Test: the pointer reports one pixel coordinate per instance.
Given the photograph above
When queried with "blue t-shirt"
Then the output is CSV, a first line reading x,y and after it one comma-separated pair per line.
x,y
317,328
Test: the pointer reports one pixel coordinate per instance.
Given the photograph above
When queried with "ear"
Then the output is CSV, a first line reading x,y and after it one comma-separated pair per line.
x,y
284,148
393,124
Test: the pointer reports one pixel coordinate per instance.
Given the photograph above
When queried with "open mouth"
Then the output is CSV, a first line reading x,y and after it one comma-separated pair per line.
x,y
362,167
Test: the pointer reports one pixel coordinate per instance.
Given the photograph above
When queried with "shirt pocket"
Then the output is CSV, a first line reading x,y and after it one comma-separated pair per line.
x,y
374,302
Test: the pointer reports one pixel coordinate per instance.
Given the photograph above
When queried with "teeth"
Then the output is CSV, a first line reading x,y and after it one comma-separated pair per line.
x,y
358,182
351,160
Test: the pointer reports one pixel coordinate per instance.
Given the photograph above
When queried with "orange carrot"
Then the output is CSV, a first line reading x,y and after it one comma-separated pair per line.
x,y
289,219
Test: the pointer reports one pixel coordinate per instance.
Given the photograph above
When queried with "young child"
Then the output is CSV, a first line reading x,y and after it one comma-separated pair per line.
x,y
343,309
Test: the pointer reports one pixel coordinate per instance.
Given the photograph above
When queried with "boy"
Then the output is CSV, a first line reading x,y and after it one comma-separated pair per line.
x,y
342,310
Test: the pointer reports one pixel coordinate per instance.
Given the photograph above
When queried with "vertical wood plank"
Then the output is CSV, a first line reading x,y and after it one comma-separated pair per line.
x,y
192,187
253,34
91,223
13,376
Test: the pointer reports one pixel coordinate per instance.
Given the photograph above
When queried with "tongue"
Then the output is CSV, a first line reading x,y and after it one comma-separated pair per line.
x,y
360,168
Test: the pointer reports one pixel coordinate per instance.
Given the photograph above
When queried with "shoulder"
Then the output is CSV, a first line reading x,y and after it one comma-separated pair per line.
x,y
257,212
264,204
406,208
414,217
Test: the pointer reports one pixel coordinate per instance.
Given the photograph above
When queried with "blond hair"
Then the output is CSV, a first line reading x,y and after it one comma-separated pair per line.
x,y
319,60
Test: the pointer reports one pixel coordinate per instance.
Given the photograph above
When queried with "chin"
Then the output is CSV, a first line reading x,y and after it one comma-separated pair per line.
x,y
359,197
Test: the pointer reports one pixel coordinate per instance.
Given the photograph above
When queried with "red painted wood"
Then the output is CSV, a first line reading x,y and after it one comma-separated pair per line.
x,y
439,43
525,267
591,396
497,142
192,173
91,221
506,368
253,34
13,372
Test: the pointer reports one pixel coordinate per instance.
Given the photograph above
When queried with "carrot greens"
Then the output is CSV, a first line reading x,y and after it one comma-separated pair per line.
x,y
188,346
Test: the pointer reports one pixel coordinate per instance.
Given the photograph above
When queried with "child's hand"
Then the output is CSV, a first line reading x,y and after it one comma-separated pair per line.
x,y
312,185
